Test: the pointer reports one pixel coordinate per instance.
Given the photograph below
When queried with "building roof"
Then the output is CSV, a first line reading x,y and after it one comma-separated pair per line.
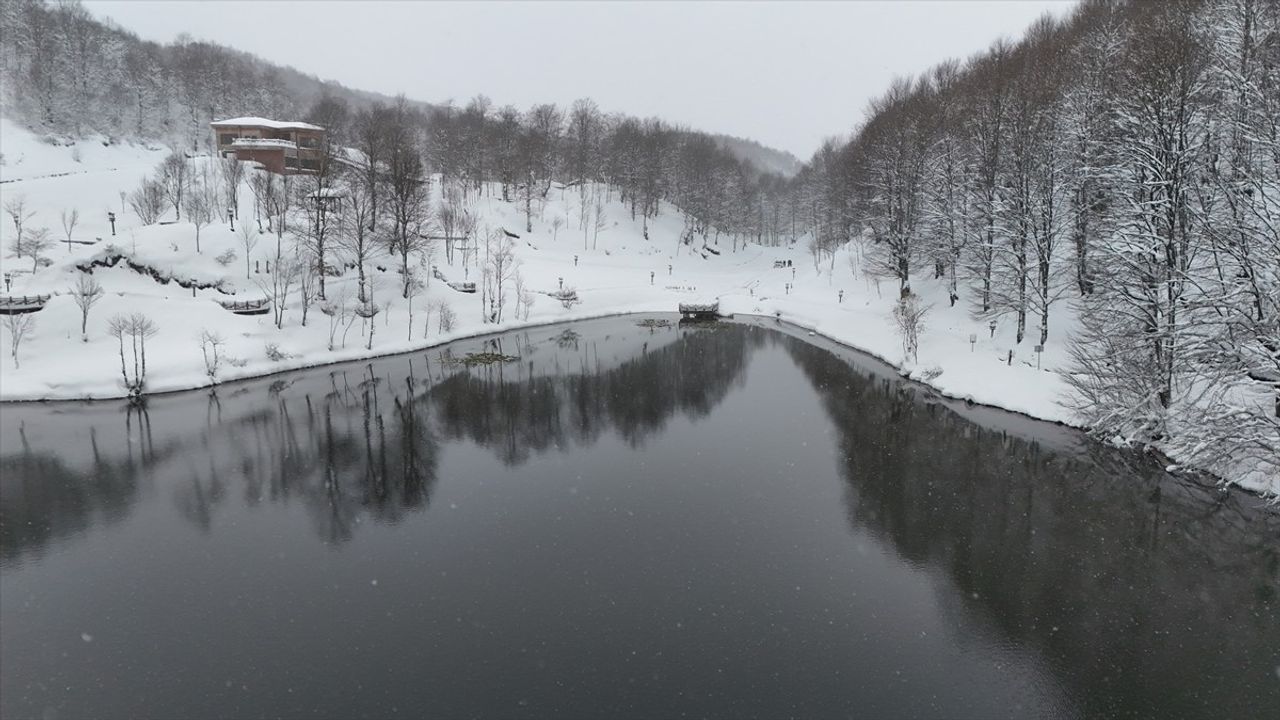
x,y
264,122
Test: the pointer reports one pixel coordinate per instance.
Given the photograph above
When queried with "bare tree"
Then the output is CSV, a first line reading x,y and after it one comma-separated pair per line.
x,y
19,326
86,292
308,291
367,311
231,171
447,316
201,205
600,223
249,237
909,316
276,198
148,201
524,298
406,191
69,222
452,217
335,309
415,287
278,284
315,236
174,178
37,243
138,328
262,187
211,344
499,270
356,236
466,224
16,208
371,131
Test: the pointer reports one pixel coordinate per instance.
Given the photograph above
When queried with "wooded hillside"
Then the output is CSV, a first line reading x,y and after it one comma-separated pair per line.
x,y
1125,160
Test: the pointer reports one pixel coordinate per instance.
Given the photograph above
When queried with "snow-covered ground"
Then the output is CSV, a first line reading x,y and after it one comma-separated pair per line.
x,y
611,276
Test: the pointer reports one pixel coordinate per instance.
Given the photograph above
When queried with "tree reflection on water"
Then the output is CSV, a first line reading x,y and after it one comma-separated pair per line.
x,y
1118,573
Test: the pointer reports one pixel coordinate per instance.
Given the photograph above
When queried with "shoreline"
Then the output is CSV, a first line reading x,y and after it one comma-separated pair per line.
x,y
792,327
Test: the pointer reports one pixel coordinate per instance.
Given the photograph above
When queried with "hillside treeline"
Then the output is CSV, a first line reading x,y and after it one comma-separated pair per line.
x,y
66,72
1126,160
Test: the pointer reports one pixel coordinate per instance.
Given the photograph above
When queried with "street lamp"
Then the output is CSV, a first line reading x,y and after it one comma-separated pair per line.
x,y
992,325
231,218
111,217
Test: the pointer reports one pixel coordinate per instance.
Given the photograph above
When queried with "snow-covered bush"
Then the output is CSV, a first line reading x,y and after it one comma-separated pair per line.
x,y
447,317
274,353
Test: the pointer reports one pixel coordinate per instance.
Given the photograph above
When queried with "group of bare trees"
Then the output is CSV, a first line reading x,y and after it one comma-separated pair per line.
x,y
584,151
1125,159
31,241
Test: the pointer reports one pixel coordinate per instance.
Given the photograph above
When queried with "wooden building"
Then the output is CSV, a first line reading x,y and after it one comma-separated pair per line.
x,y
280,147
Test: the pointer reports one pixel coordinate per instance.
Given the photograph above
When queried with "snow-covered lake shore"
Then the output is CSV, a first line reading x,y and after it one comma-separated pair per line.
x,y
614,268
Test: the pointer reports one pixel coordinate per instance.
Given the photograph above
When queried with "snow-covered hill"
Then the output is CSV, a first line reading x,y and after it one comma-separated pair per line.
x,y
617,272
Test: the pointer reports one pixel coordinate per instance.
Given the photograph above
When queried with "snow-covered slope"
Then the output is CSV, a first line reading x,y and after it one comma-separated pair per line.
x,y
618,272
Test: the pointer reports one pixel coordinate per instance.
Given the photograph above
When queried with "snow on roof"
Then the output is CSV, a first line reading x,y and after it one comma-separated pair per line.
x,y
264,122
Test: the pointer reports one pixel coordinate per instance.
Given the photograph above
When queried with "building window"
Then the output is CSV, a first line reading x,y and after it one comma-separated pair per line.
x,y
226,138
290,161
310,164
308,142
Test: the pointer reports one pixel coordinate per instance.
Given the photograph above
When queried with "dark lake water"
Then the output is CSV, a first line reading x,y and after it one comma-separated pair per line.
x,y
625,522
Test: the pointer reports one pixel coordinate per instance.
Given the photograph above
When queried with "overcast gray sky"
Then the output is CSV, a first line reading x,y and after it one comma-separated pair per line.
x,y
786,74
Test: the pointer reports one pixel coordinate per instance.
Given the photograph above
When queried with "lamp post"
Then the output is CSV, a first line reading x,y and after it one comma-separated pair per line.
x,y
111,218
231,218
973,341
8,280
842,296
992,325
1039,351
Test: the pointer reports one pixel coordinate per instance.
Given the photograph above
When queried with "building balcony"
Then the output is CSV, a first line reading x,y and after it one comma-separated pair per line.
x,y
248,143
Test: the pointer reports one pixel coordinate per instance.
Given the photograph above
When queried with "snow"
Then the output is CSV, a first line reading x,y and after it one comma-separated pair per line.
x,y
264,143
613,277
264,122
